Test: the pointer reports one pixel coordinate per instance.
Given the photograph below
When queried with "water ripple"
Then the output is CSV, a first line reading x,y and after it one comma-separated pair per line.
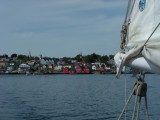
x,y
70,97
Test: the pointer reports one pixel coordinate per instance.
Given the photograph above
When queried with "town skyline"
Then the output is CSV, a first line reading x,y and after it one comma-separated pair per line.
x,y
27,64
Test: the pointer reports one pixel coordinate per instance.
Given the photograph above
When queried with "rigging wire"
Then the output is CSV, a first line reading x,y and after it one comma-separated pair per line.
x,y
132,7
125,92
126,16
149,37
152,34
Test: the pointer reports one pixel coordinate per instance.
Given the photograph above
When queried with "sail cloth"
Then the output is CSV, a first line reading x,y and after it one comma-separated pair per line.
x,y
144,18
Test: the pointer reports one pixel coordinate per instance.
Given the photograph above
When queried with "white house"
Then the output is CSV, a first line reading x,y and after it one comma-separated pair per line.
x,y
23,67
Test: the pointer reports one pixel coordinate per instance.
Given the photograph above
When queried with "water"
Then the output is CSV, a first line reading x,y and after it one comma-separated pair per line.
x,y
72,97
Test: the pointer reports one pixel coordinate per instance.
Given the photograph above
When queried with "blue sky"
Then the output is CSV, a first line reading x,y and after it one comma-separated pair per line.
x,y
58,28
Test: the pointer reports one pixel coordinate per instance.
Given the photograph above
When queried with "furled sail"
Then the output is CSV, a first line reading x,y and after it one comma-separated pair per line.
x,y
144,18
141,34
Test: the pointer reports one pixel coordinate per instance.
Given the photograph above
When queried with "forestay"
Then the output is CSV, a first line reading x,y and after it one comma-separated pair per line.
x,y
144,18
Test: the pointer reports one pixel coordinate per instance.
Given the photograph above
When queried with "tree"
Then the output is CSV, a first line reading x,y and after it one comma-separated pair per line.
x,y
111,56
13,55
104,59
78,58
5,55
67,60
92,58
36,58
16,63
24,58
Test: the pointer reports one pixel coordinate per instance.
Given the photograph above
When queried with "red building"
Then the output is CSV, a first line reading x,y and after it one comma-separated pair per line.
x,y
86,70
79,70
68,71
65,70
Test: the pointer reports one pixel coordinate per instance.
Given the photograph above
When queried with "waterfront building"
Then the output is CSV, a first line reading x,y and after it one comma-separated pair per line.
x,y
10,67
3,66
23,68
58,67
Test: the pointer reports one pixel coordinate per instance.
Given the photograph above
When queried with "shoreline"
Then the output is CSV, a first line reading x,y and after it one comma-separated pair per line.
x,y
54,73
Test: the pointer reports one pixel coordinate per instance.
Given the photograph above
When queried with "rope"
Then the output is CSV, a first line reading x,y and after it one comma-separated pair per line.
x,y
127,103
139,90
124,33
146,105
138,109
124,27
136,100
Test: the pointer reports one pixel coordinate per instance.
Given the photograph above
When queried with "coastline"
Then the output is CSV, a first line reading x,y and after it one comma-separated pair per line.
x,y
54,73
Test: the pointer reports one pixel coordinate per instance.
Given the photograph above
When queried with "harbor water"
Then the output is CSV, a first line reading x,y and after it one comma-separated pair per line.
x,y
73,97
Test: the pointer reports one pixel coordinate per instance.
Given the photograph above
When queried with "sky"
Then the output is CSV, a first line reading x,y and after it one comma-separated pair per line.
x,y
61,28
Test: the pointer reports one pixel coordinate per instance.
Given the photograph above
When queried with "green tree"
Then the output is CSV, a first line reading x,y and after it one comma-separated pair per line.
x,y
67,60
104,59
78,58
36,58
111,56
92,58
17,63
23,58
5,55
13,55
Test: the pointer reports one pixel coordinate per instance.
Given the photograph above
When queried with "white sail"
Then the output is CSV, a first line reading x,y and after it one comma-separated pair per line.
x,y
143,20
143,28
